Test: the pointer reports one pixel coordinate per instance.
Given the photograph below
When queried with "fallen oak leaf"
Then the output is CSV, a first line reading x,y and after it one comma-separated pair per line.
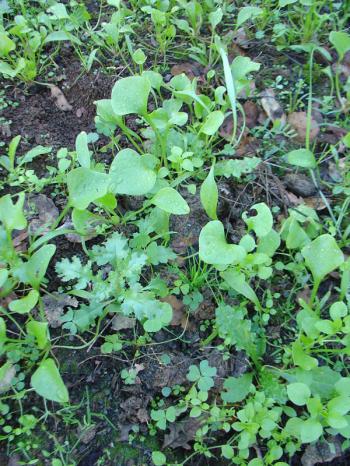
x,y
61,101
298,121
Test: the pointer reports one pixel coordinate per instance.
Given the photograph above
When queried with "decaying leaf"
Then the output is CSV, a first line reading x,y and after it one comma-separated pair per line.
x,y
272,107
120,322
191,70
61,101
299,184
42,212
298,121
7,373
54,305
182,432
178,309
322,452
240,38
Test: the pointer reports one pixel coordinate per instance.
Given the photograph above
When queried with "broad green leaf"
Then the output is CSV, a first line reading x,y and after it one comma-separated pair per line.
x,y
215,17
40,331
139,57
82,149
237,281
214,249
6,44
302,359
3,276
212,123
341,42
32,154
298,393
47,382
158,458
269,243
322,256
338,310
310,431
155,79
246,13
85,186
25,304
237,388
130,95
242,66
59,36
36,266
209,194
130,174
261,223
11,215
301,158
169,200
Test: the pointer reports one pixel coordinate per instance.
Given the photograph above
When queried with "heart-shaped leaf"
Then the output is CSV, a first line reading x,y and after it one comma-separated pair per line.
x,y
214,249
322,256
47,382
130,174
130,95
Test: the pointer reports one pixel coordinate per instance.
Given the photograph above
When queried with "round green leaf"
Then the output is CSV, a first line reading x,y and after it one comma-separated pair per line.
x,y
301,158
169,200
213,248
158,458
212,123
130,95
338,310
298,393
130,174
310,431
47,382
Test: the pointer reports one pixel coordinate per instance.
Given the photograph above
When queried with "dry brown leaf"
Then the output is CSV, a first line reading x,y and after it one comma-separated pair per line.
x,y
189,69
240,38
178,309
42,213
272,107
315,203
251,113
298,121
120,322
54,305
61,101
182,432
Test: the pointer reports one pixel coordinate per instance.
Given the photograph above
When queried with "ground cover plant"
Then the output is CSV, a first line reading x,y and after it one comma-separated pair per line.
x,y
174,232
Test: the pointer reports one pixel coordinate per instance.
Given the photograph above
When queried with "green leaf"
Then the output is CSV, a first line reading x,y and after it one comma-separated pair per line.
x,y
11,215
341,42
338,310
212,123
130,174
298,393
36,266
82,149
209,194
85,186
47,382
139,57
246,13
261,223
237,388
213,248
242,66
301,158
322,256
40,331
158,458
6,44
130,95
3,277
25,304
310,431
237,281
269,243
59,36
169,200
215,17
302,359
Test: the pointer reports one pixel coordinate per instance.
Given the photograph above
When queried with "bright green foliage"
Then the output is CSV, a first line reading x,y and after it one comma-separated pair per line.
x,y
301,158
236,388
214,249
25,304
169,200
322,256
209,194
261,223
86,186
130,95
202,375
48,383
341,42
